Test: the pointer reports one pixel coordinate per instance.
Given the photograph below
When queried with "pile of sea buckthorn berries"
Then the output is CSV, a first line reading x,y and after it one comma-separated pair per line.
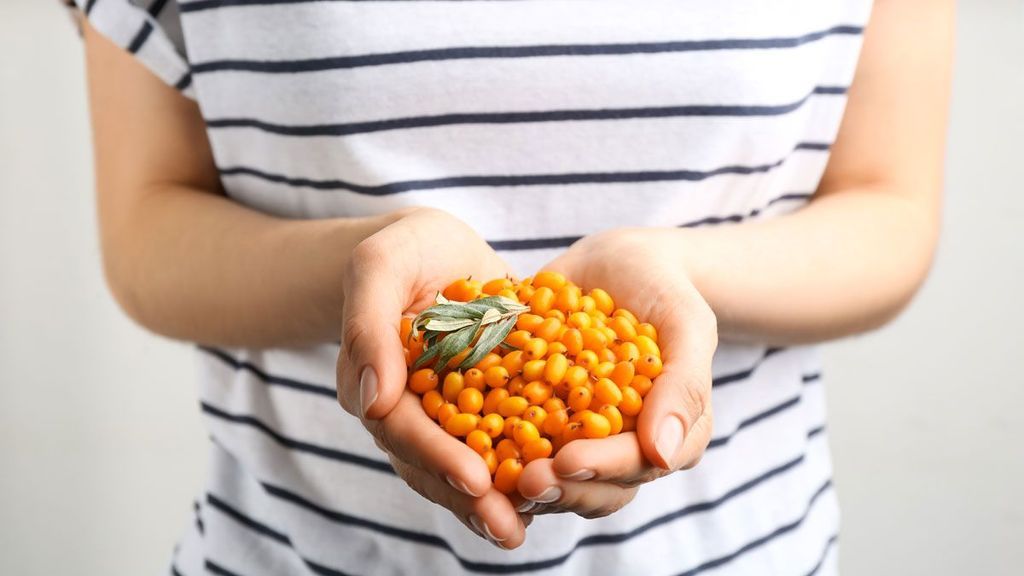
x,y
574,366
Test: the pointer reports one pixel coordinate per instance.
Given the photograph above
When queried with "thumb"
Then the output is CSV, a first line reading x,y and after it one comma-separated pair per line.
x,y
674,426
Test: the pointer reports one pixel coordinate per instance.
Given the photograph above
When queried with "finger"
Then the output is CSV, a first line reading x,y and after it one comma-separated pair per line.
x,y
411,436
371,367
491,516
682,392
617,459
550,493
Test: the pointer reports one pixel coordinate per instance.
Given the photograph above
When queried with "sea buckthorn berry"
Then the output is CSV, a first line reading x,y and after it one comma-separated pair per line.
x,y
631,402
524,431
492,287
556,314
510,425
423,380
470,401
552,280
473,378
607,355
599,318
622,328
580,320
457,359
587,303
513,406
510,294
649,366
516,385
493,424
542,300
506,449
479,441
529,322
454,383
496,376
627,352
408,360
519,339
645,329
579,398
536,416
573,341
506,477
493,399
623,313
535,349
491,459
491,359
595,425
605,390
642,384
513,362
594,339
463,290
537,392
603,369
525,292
576,376
552,404
567,299
587,359
536,449
623,373
647,346
432,402
555,369
445,412
405,329
534,370
614,417
602,301
556,348
548,329
628,423
609,334
572,431
461,424
555,422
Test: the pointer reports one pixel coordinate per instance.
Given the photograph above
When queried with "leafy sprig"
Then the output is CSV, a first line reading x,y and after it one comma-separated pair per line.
x,y
451,326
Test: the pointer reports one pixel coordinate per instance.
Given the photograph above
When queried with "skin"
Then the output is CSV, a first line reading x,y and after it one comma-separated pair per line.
x,y
848,262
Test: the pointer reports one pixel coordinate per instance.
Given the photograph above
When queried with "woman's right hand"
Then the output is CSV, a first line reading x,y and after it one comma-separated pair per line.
x,y
397,270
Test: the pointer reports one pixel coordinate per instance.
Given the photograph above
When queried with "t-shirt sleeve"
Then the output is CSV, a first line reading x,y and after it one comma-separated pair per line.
x,y
148,29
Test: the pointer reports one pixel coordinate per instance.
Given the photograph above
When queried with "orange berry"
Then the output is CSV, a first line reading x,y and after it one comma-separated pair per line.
x,y
510,425
587,304
506,449
579,398
536,449
623,373
555,369
513,362
496,376
556,314
647,346
631,402
423,380
534,370
462,290
457,359
645,329
513,406
493,424
509,294
537,392
525,431
473,378
605,390
536,416
627,352
516,385
492,287
524,293
470,401
622,327
461,424
567,299
608,355
603,370
529,322
552,280
548,329
576,376
642,384
649,365
602,301
445,412
491,359
494,399
555,422
587,359
573,341
552,404
594,339
572,431
556,348
609,334
614,417
479,441
519,339
580,320
491,459
506,477
535,349
542,300
454,383
432,402
623,313
404,329
595,425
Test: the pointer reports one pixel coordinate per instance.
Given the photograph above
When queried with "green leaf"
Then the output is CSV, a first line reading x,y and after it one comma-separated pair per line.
x,y
449,324
492,335
426,357
454,343
491,316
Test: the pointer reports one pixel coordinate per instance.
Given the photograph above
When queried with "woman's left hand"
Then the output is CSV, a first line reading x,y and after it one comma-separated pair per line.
x,y
644,271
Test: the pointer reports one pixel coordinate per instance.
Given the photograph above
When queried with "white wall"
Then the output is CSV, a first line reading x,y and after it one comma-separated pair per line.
x,y
101,449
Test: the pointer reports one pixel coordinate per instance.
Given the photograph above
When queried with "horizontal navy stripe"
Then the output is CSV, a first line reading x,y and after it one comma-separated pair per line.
x,y
156,8
298,445
140,37
507,568
215,568
566,241
507,52
563,179
807,378
777,409
412,122
268,378
184,82
824,554
735,377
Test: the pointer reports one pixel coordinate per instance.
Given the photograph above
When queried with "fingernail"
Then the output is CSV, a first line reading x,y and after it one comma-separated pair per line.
x,y
490,535
484,531
475,521
580,475
526,506
367,389
458,485
550,495
669,440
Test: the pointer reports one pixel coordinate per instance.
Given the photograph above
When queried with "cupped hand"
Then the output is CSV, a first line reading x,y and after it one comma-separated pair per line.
x,y
642,269
397,270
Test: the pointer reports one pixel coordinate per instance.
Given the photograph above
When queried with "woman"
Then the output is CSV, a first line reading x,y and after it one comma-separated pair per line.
x,y
275,173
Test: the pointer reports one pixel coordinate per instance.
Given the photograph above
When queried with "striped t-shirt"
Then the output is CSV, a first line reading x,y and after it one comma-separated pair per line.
x,y
537,122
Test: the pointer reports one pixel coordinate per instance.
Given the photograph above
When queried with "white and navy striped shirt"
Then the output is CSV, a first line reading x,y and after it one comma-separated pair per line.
x,y
565,118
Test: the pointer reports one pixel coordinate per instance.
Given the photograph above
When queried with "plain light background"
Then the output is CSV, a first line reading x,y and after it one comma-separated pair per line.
x,y
101,448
